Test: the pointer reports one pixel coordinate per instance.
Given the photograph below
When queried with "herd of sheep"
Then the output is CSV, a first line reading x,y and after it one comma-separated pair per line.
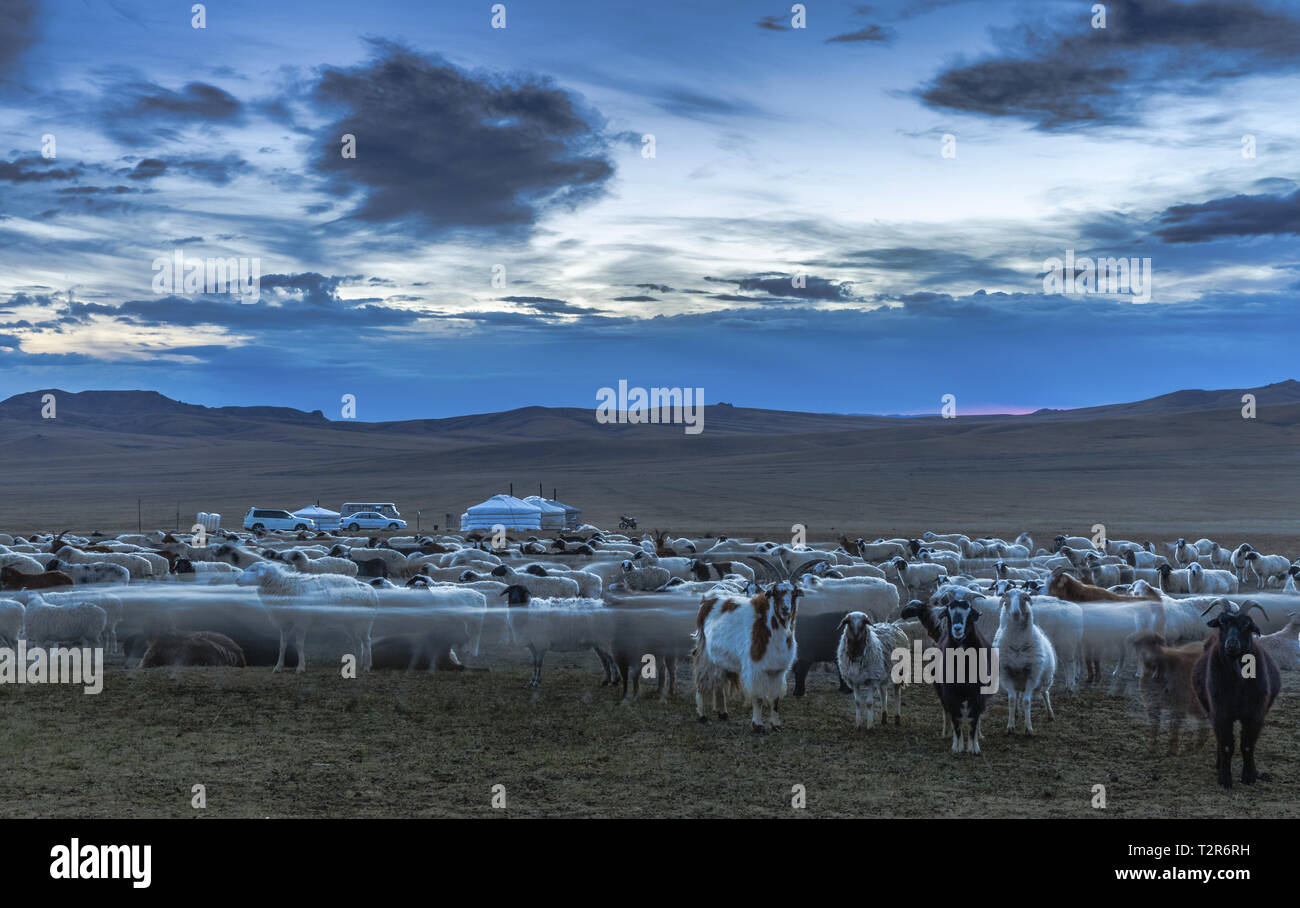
x,y
748,615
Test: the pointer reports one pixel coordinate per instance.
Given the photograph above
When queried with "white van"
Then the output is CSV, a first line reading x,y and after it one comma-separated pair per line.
x,y
386,508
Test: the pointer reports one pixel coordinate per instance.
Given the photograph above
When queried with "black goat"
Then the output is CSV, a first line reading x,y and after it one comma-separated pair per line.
x,y
1235,681
960,689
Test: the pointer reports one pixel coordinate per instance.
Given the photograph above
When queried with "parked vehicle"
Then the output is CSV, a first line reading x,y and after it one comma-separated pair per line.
x,y
275,519
626,523
384,508
371,520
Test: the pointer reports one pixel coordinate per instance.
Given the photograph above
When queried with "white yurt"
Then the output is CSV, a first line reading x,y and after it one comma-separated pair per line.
x,y
512,513
325,518
553,516
572,515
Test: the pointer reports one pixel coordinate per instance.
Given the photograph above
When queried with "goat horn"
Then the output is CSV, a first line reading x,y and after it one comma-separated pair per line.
x,y
766,565
1250,604
1221,603
806,566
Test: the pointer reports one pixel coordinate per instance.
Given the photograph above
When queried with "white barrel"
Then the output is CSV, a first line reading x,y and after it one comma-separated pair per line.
x,y
210,522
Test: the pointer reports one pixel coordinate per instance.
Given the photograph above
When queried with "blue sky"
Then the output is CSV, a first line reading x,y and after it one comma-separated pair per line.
x,y
782,156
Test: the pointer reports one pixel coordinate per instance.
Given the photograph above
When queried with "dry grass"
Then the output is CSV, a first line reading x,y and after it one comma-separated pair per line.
x,y
397,745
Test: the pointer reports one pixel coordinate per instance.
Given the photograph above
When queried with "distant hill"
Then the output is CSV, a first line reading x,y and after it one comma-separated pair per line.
x,y
151,413
1181,464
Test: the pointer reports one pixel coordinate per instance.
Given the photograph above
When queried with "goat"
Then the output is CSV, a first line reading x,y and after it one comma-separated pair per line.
x,y
864,661
962,696
1166,685
1235,681
13,579
750,644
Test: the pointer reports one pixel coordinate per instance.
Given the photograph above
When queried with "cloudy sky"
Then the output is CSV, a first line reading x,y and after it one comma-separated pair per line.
x,y
850,216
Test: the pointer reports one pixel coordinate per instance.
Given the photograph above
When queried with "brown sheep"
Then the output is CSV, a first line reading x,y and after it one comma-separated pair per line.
x,y
180,648
1166,686
13,579
1067,587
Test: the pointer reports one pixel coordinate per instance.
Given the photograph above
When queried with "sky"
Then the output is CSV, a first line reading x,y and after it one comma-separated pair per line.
x,y
830,207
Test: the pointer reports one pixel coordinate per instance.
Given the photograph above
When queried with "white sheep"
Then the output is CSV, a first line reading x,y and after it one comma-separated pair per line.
x,y
52,624
109,602
558,625
1026,658
649,578
1283,646
297,602
1210,581
324,565
11,622
21,562
865,664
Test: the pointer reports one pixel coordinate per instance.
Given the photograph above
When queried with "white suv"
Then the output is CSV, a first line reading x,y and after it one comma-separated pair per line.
x,y
275,519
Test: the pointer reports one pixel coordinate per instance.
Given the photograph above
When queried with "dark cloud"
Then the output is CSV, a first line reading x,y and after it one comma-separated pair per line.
x,y
35,170
784,286
636,299
216,171
1069,74
547,305
17,31
779,23
1239,215
135,112
872,33
455,149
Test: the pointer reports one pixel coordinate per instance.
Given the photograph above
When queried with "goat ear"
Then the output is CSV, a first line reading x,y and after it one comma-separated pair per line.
x,y
1213,622
843,623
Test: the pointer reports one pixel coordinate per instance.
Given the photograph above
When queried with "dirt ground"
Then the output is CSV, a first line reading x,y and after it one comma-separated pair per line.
x,y
393,744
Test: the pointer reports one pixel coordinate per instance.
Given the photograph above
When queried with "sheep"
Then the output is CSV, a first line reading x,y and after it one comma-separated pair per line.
x,y
232,554
655,624
24,563
139,567
865,663
1210,582
296,602
649,578
13,579
1166,685
95,572
185,648
11,622
1265,568
1238,560
322,565
1172,581
747,644
916,579
546,587
1283,646
563,624
1072,542
716,570
1026,658
50,624
184,569
1235,681
1003,572
109,602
